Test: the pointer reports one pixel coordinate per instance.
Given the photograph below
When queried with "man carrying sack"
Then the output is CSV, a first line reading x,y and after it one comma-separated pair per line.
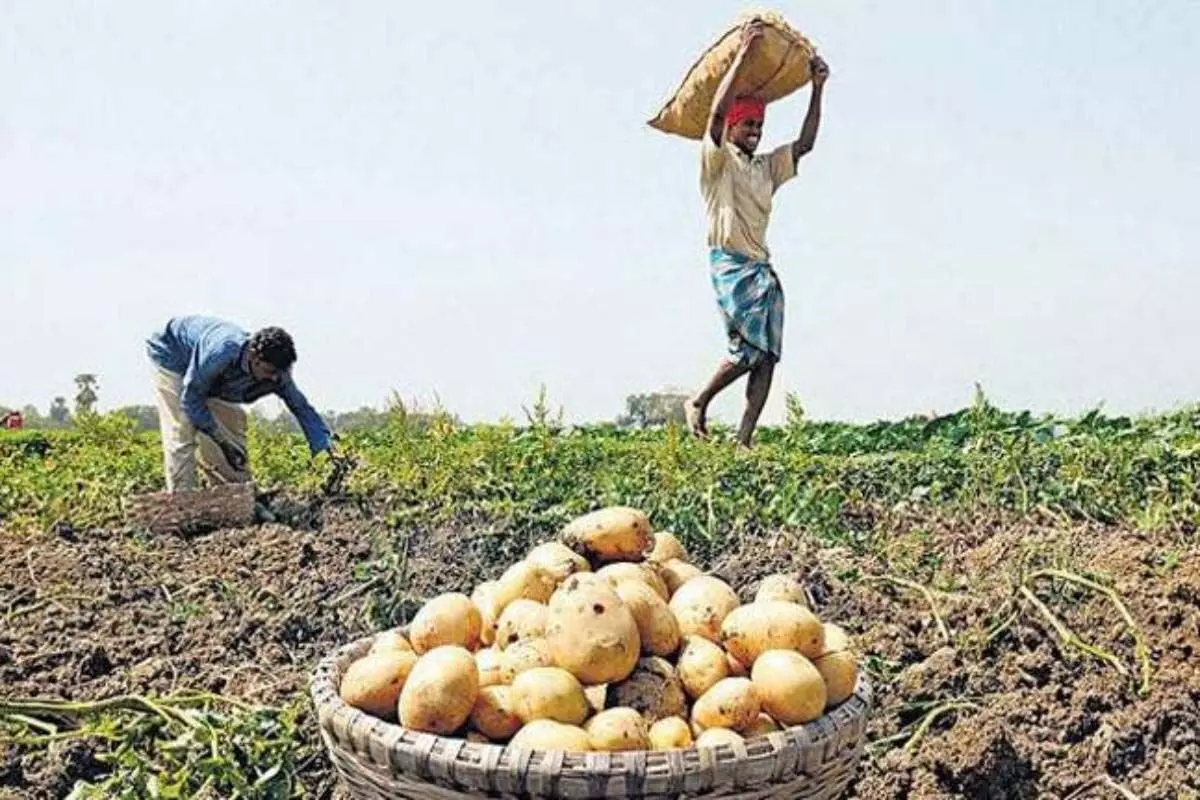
x,y
204,369
738,187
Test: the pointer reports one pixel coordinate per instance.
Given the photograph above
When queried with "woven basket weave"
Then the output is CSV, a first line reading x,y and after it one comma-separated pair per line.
x,y
378,760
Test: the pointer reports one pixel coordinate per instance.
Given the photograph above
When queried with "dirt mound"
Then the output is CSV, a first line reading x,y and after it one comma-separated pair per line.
x,y
984,698
242,613
1004,707
115,615
978,693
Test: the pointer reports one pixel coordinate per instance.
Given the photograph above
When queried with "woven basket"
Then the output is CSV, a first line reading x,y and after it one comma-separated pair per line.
x,y
378,760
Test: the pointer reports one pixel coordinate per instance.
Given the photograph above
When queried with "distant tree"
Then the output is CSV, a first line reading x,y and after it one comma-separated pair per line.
x,y
60,415
33,418
281,423
653,409
363,419
85,398
145,417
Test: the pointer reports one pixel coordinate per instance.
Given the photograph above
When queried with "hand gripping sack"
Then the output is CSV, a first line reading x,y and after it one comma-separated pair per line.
x,y
778,66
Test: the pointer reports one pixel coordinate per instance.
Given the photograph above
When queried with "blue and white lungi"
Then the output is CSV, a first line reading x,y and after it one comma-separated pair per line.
x,y
751,300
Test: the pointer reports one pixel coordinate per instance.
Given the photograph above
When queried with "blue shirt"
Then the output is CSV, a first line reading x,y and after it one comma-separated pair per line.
x,y
214,359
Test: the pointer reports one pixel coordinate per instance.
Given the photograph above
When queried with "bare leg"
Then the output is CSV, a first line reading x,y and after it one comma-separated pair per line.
x,y
697,407
757,389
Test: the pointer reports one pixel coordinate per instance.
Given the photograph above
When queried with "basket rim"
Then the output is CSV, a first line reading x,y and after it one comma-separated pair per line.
x,y
328,704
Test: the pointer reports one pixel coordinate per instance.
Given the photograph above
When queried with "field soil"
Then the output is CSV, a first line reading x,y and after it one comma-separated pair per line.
x,y
978,695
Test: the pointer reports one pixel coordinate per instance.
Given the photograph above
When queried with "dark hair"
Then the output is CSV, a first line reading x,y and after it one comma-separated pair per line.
x,y
275,346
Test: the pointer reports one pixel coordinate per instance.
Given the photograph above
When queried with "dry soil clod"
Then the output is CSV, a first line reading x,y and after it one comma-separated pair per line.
x,y
924,590
1067,636
1140,648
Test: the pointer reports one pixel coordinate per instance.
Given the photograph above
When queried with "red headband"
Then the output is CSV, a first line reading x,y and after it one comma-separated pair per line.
x,y
745,108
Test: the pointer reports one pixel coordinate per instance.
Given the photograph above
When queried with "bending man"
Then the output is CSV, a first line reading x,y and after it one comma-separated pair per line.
x,y
204,369
738,187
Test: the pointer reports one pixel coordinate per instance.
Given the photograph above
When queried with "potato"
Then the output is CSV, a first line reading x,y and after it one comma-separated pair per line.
x,y
736,668
524,655
616,533
789,687
762,725
524,580
493,714
835,641
546,734
550,693
657,626
618,729
559,560
448,619
489,662
731,703
780,587
701,605
701,665
582,579
390,640
670,733
645,573
676,573
440,691
653,689
666,547
597,697
373,683
840,672
591,632
523,619
715,737
751,630
484,598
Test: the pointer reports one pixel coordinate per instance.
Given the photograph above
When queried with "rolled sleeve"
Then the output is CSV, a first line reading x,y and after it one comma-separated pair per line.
x,y
315,430
203,368
782,165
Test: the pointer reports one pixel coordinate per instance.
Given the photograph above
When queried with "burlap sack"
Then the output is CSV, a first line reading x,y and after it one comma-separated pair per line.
x,y
777,67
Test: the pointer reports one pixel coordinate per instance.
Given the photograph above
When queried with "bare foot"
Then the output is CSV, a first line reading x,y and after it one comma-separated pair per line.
x,y
695,414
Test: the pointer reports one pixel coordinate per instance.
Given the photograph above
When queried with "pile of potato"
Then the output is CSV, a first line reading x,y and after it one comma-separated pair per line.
x,y
607,640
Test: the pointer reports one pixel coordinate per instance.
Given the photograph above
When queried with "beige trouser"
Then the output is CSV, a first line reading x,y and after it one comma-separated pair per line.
x,y
179,436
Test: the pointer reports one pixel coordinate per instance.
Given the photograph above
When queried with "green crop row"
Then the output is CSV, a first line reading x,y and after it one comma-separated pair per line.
x,y
1142,471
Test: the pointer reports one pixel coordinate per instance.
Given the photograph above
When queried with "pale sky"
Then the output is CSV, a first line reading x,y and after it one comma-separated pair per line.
x,y
464,201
